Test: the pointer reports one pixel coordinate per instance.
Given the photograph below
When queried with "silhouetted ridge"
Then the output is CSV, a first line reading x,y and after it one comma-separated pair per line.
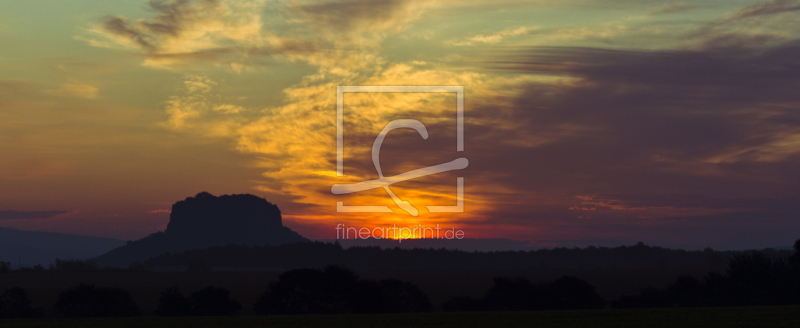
x,y
42,248
205,220
318,254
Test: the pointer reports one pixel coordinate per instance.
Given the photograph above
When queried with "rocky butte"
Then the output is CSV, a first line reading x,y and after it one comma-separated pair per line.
x,y
206,220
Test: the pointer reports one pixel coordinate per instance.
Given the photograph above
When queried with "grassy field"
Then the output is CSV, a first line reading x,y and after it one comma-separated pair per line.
x,y
697,317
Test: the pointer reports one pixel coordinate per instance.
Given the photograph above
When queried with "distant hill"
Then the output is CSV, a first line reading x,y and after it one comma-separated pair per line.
x,y
319,254
502,244
35,247
466,244
204,221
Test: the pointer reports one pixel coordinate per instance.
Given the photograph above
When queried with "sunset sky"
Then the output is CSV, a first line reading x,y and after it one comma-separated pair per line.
x,y
665,122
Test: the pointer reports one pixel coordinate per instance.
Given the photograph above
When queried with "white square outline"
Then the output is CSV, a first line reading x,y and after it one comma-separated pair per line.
x,y
340,90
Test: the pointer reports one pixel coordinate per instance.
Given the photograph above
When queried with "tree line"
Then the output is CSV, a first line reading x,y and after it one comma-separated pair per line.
x,y
57,265
750,279
319,254
332,290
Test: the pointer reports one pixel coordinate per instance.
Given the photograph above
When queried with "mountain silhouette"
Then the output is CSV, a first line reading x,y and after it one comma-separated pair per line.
x,y
30,248
206,220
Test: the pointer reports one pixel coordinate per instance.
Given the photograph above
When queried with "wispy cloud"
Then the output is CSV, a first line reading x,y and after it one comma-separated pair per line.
x,y
232,33
496,37
198,109
670,8
767,8
343,17
29,215
186,32
82,90
763,24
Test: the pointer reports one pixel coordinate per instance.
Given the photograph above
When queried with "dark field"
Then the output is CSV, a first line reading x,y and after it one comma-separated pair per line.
x,y
692,317
43,287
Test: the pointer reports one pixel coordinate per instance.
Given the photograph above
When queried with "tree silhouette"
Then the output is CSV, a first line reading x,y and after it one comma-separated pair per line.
x,y
14,303
463,304
305,291
575,294
73,265
338,290
794,259
319,254
90,301
647,298
520,294
751,278
389,296
172,303
214,301
198,266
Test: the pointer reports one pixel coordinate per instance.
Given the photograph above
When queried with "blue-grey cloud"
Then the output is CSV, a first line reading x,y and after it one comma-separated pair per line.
x,y
652,143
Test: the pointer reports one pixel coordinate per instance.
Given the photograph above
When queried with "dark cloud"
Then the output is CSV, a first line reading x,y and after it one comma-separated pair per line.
x,y
767,8
119,26
764,24
184,31
352,14
649,142
171,14
681,105
21,215
170,20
